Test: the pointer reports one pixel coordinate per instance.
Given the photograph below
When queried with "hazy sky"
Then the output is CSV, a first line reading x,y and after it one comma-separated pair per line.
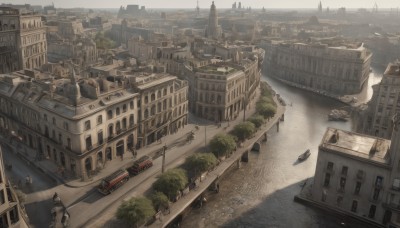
x,y
206,3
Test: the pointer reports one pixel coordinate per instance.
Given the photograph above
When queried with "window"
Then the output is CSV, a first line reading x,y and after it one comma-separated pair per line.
x,y
109,114
131,105
54,121
330,166
118,127
88,143
131,120
396,184
327,179
379,181
342,183
339,200
99,120
153,97
344,170
45,117
124,123
66,126
117,111
165,92
100,137
358,188
87,125
68,143
60,138
2,197
372,211
360,174
14,217
124,108
376,194
4,220
354,206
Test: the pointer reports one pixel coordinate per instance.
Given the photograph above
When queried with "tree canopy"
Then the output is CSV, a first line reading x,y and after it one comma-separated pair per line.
x,y
160,200
222,144
257,120
244,130
136,211
171,182
201,162
266,110
103,41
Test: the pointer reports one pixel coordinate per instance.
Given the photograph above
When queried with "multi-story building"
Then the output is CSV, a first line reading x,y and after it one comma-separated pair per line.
x,y
22,40
11,214
78,124
332,67
124,31
384,104
163,105
219,90
359,175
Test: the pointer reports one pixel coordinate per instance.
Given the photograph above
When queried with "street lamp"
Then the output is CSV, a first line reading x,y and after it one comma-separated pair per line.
x,y
164,148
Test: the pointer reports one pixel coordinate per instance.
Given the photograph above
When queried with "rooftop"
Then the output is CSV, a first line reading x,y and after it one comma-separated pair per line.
x,y
356,145
217,69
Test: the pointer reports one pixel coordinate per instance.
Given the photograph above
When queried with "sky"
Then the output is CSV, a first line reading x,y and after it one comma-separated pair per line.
x,y
206,3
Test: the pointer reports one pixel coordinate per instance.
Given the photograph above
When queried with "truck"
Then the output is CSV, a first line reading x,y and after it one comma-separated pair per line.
x,y
113,181
140,165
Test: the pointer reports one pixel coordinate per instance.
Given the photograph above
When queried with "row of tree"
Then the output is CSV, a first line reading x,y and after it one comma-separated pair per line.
x,y
170,184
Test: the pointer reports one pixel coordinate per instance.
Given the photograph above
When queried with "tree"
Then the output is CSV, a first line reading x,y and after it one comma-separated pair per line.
x,y
160,201
257,120
222,144
201,162
171,182
244,130
136,211
103,42
266,110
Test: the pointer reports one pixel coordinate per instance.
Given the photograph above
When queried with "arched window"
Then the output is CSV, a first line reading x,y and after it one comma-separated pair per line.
x,y
110,114
131,120
117,111
124,108
146,113
159,107
153,97
165,92
159,94
118,127
165,104
153,110
124,123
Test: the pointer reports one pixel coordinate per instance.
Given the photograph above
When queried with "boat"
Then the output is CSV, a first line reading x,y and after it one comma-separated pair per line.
x,y
304,155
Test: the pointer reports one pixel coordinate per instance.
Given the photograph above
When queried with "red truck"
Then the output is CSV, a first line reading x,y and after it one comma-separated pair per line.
x,y
113,181
139,165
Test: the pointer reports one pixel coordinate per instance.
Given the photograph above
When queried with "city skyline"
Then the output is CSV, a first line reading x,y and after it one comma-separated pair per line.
x,y
206,4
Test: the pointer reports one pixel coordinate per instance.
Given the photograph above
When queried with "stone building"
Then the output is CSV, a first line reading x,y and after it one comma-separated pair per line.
x,y
326,66
219,90
359,175
22,40
384,104
163,105
77,123
125,31
11,214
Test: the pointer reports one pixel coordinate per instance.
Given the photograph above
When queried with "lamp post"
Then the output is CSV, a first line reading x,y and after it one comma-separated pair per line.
x,y
163,158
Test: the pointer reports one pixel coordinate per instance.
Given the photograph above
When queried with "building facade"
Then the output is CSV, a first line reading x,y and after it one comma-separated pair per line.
x,y
11,214
331,68
384,104
22,40
359,175
78,124
163,105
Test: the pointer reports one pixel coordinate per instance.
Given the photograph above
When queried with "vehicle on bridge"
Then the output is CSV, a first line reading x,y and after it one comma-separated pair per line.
x,y
113,181
140,165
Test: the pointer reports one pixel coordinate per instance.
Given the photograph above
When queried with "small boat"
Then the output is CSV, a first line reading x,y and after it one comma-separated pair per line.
x,y
304,155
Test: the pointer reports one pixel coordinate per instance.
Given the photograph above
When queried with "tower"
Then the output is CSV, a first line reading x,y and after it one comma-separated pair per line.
x,y
213,30
320,7
198,9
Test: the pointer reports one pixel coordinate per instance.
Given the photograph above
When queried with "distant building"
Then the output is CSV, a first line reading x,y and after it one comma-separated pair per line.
x,y
22,40
213,30
332,67
385,103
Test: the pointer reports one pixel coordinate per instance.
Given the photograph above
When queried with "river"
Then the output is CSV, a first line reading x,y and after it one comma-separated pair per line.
x,y
260,194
